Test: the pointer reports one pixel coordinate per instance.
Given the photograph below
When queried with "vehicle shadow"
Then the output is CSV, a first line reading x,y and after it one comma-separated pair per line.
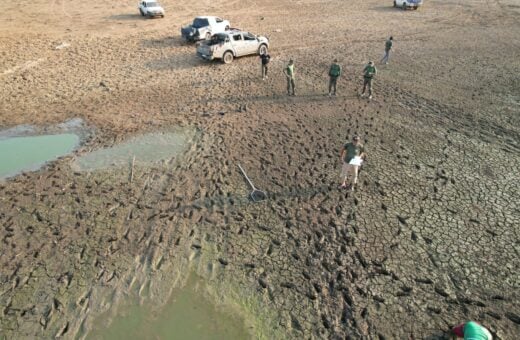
x,y
119,17
164,42
388,8
176,62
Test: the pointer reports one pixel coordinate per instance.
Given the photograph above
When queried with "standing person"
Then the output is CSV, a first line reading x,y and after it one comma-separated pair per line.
x,y
265,57
368,73
289,73
472,331
388,48
349,151
334,73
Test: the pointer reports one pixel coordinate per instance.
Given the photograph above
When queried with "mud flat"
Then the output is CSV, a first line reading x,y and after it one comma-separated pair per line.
x,y
429,239
143,149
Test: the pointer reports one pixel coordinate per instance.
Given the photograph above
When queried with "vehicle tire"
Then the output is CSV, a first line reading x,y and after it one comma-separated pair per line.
x,y
227,58
395,3
207,36
262,49
141,11
404,6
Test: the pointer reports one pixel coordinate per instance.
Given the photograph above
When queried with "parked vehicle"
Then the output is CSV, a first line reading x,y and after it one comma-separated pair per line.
x,y
405,4
204,27
231,44
151,8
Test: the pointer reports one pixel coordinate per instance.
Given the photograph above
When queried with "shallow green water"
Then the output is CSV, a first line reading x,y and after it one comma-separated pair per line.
x,y
30,153
147,148
188,315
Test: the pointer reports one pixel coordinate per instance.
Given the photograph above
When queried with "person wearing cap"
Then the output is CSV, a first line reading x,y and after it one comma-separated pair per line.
x,y
368,74
334,73
289,74
388,48
472,330
349,151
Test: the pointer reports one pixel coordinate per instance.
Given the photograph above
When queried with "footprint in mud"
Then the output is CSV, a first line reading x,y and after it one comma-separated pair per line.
x,y
193,255
63,330
145,288
263,283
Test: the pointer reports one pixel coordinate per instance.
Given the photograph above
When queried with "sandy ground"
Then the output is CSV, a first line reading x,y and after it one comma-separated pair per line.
x,y
430,238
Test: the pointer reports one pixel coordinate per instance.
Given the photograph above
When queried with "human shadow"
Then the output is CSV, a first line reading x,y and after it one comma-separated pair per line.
x,y
238,201
440,335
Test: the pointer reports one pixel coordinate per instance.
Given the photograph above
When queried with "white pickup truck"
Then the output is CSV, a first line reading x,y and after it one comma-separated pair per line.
x,y
231,44
204,27
405,4
151,8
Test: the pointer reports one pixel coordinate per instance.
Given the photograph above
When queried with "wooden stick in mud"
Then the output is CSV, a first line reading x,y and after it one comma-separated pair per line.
x,y
132,170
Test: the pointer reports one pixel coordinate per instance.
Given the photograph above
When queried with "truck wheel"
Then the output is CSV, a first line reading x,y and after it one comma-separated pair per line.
x,y
228,57
395,3
262,49
404,5
141,11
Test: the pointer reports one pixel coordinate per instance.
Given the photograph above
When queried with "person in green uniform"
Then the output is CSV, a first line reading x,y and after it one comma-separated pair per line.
x,y
472,331
368,74
334,73
388,47
349,151
289,74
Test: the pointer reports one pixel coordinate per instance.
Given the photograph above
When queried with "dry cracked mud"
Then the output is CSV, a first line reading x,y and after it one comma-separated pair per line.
x,y
430,238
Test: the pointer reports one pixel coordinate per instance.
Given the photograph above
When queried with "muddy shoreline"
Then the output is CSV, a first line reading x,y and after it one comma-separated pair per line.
x,y
429,239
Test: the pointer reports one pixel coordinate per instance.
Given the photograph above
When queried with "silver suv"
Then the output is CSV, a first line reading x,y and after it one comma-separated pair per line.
x,y
231,44
203,28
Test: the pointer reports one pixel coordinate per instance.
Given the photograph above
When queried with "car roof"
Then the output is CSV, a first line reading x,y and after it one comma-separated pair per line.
x,y
236,30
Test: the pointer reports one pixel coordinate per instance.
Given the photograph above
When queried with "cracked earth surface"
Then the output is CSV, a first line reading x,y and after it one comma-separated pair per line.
x,y
429,239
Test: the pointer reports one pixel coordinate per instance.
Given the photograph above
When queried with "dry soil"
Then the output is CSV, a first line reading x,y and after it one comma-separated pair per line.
x,y
430,238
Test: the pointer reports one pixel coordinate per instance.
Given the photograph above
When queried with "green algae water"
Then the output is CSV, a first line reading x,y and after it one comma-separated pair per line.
x,y
19,154
189,315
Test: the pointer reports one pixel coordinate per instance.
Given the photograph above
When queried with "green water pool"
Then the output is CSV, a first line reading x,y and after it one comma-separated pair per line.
x,y
188,315
29,153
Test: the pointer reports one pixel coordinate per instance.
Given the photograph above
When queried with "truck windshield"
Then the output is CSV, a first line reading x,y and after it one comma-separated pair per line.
x,y
200,22
152,4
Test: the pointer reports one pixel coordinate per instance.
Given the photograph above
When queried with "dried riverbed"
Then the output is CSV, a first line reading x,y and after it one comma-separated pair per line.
x,y
429,239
